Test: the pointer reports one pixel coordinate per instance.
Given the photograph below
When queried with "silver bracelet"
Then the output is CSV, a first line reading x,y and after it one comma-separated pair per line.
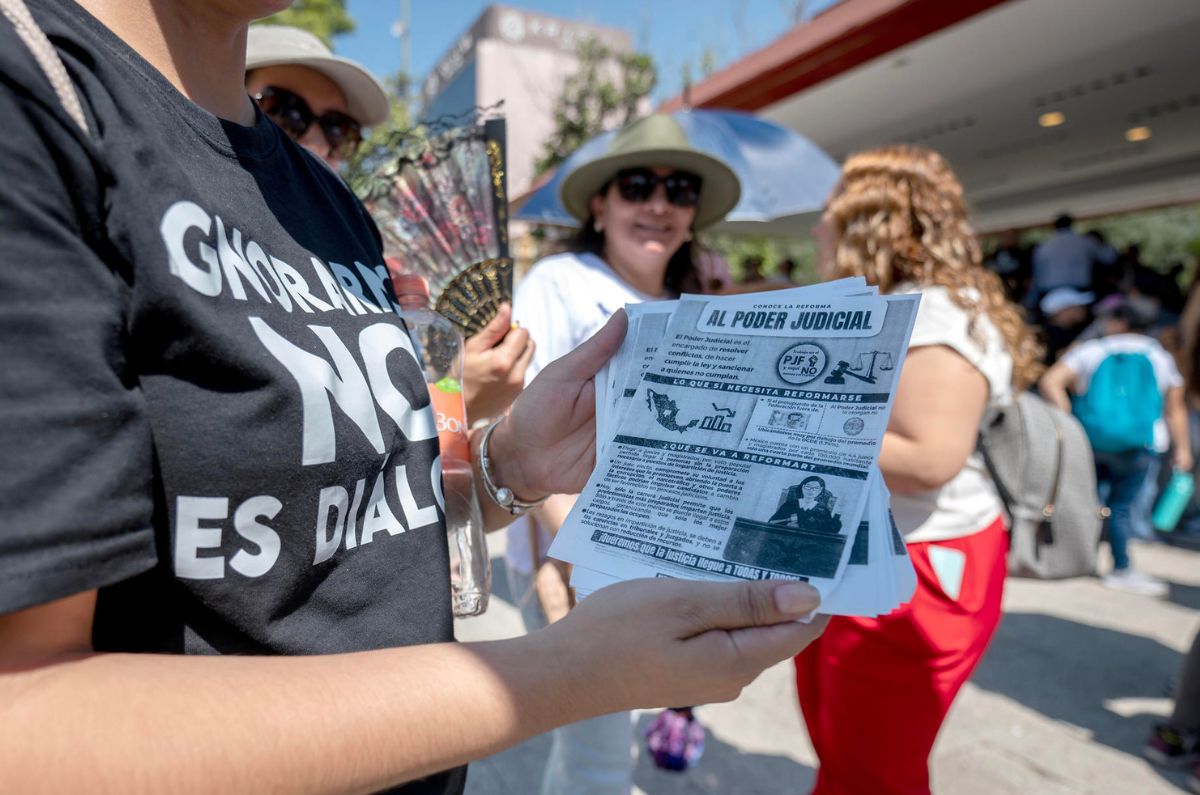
x,y
501,495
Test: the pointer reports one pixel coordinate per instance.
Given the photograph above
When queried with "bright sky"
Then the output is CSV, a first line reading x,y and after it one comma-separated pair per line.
x,y
674,32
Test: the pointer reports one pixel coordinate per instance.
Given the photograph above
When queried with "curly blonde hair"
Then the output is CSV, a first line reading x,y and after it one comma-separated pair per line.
x,y
899,216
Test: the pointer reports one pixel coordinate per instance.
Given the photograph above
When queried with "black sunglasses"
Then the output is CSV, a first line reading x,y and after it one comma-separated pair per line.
x,y
638,185
293,115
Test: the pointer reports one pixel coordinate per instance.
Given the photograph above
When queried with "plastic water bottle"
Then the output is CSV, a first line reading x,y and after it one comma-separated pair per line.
x,y
1173,501
439,347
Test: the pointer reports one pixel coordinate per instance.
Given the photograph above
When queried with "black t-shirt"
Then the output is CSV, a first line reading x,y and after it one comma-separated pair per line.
x,y
209,406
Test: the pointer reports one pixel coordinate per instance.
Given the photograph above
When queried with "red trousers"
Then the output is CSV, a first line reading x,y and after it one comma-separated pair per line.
x,y
874,692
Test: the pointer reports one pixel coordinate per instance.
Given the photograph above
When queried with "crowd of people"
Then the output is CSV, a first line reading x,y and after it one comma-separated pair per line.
x,y
1091,304
171,433
1121,355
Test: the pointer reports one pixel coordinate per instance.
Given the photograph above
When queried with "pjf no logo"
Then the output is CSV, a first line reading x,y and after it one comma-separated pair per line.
x,y
802,363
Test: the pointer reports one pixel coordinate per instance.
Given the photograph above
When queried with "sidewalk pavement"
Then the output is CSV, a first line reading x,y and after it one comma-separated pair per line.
x,y
1069,689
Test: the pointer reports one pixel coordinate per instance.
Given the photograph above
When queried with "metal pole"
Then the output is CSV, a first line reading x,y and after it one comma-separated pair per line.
x,y
406,50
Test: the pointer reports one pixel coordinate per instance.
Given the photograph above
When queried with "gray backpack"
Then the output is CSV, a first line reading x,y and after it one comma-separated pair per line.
x,y
1041,462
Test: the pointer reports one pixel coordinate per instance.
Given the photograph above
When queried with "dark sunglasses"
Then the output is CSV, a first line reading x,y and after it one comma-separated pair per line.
x,y
293,115
638,185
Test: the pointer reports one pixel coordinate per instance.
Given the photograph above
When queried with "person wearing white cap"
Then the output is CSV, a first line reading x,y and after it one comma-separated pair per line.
x,y
223,552
1127,392
319,99
1066,313
1061,298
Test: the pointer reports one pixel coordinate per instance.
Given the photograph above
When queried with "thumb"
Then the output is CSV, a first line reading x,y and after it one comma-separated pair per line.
x,y
747,604
585,361
494,331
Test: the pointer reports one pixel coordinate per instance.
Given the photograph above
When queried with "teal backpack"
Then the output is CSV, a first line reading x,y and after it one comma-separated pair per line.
x,y
1121,404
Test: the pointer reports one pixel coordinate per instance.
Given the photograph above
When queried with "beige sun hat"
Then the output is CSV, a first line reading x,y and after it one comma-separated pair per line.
x,y
654,141
279,45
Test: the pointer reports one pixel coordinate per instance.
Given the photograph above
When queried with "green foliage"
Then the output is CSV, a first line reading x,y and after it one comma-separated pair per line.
x,y
1164,236
322,18
366,161
736,249
638,78
605,90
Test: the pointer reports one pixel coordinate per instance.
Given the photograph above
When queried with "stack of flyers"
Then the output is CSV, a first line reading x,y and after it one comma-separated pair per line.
x,y
738,439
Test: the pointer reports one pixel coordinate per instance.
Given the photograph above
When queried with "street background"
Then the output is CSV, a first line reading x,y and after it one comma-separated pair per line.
x,y
1072,683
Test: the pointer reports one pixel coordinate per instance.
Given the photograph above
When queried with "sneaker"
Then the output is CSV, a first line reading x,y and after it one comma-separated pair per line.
x,y
1167,747
1135,582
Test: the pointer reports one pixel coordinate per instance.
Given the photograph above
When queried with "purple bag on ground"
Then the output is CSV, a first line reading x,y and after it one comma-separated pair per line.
x,y
675,739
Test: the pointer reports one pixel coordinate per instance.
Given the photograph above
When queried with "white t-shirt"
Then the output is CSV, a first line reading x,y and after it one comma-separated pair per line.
x,y
1084,358
563,301
968,503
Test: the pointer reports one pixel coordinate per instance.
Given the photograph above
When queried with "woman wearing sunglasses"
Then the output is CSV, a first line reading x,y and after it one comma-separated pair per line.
x,y
640,205
223,562
322,101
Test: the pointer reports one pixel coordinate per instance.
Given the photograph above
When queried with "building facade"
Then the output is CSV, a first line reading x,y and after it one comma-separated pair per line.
x,y
521,58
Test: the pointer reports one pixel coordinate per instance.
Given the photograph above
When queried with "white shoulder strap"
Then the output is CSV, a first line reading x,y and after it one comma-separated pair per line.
x,y
46,56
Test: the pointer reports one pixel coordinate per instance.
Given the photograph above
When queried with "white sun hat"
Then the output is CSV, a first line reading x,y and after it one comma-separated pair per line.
x,y
279,45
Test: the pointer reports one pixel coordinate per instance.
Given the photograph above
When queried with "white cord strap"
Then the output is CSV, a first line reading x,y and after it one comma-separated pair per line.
x,y
46,56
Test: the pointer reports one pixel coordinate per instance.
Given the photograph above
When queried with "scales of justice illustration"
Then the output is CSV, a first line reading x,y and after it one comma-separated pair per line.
x,y
882,359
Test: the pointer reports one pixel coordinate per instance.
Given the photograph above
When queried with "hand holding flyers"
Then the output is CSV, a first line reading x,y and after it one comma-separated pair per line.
x,y
737,439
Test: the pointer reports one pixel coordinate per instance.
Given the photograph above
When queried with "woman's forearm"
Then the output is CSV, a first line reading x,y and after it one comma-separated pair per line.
x,y
75,721
1177,425
321,724
1175,415
554,512
912,466
935,420
1055,385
